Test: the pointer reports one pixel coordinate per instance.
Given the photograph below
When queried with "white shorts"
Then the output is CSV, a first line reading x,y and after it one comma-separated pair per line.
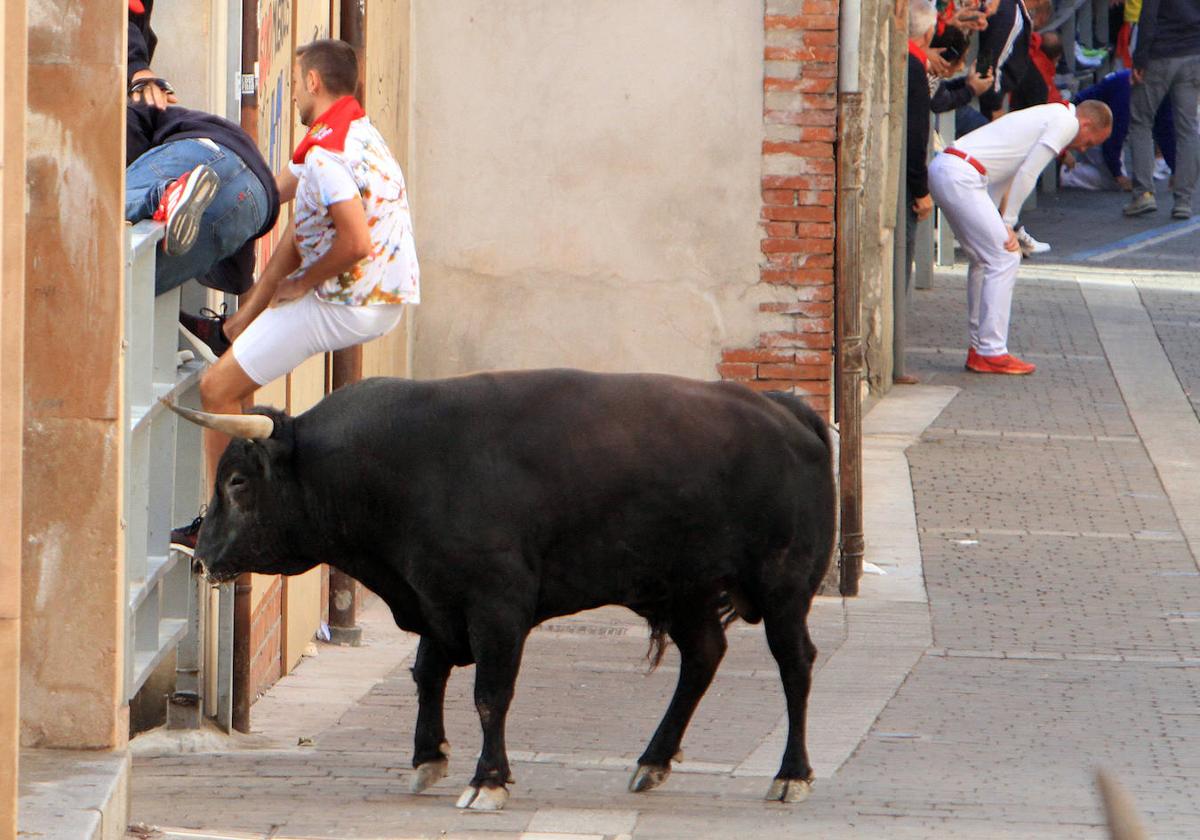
x,y
279,339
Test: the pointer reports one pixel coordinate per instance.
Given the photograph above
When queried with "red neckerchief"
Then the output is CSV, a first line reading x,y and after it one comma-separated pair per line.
x,y
329,130
137,7
914,49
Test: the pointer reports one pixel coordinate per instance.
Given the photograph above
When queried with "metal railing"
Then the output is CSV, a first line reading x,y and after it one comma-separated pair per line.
x,y
168,606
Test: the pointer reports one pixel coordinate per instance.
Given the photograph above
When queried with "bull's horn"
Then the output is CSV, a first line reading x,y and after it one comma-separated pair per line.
x,y
1119,810
250,426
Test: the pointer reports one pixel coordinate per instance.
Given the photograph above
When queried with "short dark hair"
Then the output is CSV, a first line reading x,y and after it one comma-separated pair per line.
x,y
952,39
1052,45
334,61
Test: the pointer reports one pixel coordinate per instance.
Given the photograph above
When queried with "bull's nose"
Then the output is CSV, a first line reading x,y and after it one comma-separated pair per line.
x,y
201,567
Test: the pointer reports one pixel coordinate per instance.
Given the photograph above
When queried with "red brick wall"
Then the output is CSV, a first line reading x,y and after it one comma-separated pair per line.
x,y
266,640
800,127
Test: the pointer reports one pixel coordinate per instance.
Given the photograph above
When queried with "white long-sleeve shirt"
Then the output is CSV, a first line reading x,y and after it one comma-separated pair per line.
x,y
1016,148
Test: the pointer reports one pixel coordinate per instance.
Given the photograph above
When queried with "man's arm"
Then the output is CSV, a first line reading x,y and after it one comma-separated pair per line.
x,y
351,244
138,67
1116,95
138,56
918,130
1023,181
286,182
950,95
285,259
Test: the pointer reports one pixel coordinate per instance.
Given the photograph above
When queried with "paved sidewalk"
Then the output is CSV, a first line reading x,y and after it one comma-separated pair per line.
x,y
1038,619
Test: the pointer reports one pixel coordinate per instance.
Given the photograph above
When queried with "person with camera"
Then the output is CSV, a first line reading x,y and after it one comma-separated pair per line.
x,y
955,91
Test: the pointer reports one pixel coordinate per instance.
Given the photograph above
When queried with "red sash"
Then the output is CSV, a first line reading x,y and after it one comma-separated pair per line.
x,y
915,50
330,129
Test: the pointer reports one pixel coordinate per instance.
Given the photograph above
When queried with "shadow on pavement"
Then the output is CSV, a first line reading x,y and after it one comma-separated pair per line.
x,y
1088,228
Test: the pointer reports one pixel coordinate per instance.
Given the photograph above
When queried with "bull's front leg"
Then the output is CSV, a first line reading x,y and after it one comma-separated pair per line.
x,y
497,649
431,670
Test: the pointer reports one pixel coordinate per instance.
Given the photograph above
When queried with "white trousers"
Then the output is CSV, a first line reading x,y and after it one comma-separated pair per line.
x,y
962,193
282,337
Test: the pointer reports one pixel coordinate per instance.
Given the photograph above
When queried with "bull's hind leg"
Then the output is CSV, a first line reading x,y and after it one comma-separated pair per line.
x,y
701,642
431,752
787,636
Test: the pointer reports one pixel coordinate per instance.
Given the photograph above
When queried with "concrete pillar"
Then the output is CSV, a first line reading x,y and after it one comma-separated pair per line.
x,y
12,316
73,593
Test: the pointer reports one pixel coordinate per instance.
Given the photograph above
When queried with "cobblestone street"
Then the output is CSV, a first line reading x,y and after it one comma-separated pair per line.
x,y
1048,627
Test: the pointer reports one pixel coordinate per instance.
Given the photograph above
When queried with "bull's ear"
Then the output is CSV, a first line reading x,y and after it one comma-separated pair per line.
x,y
279,447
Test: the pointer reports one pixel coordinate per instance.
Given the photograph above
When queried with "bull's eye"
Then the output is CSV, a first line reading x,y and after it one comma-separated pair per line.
x,y
236,481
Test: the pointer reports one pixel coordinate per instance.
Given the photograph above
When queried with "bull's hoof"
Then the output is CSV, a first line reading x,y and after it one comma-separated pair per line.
x,y
429,774
789,790
483,799
648,777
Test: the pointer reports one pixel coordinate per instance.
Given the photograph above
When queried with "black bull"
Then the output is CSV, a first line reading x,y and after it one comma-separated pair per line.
x,y
480,506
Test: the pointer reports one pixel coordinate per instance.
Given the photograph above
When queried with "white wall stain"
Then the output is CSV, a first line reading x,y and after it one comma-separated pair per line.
x,y
48,558
50,142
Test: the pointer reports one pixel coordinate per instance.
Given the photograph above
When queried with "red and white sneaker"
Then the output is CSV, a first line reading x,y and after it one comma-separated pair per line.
x,y
183,204
1001,363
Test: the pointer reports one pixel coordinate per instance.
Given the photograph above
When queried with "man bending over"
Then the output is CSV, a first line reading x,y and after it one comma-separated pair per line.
x,y
980,183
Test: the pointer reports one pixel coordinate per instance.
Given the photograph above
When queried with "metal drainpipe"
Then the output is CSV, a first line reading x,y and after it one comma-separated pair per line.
x,y
848,333
347,368
242,655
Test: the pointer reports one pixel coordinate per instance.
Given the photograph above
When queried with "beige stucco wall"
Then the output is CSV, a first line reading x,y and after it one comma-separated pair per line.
x,y
12,315
883,57
73,660
585,182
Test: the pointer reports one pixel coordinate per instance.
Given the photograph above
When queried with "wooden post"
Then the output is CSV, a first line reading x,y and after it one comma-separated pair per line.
x,y
242,613
347,369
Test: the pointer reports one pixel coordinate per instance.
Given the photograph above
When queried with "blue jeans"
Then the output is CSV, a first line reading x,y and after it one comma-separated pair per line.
x,y
233,219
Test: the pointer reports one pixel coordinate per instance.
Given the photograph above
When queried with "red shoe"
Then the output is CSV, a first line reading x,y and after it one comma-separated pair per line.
x,y
182,205
1002,363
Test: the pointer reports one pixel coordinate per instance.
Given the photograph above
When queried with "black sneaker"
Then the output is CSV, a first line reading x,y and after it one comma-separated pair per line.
x,y
208,327
184,539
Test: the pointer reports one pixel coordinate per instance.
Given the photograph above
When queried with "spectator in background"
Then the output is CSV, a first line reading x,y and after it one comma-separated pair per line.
x,y
1104,168
1045,50
1166,64
922,21
1123,51
143,85
1004,45
956,92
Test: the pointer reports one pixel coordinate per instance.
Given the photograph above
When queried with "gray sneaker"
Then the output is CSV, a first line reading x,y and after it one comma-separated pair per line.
x,y
1181,211
1141,204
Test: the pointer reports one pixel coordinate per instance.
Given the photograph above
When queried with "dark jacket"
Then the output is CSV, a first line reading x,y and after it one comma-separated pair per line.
x,y
918,129
142,41
147,127
1167,29
1007,52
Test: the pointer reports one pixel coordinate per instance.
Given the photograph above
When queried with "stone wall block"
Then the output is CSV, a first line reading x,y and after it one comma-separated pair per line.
x,y
74,258
74,33
72,667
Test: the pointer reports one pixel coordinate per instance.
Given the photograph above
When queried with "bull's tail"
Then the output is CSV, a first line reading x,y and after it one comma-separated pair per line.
x,y
810,419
